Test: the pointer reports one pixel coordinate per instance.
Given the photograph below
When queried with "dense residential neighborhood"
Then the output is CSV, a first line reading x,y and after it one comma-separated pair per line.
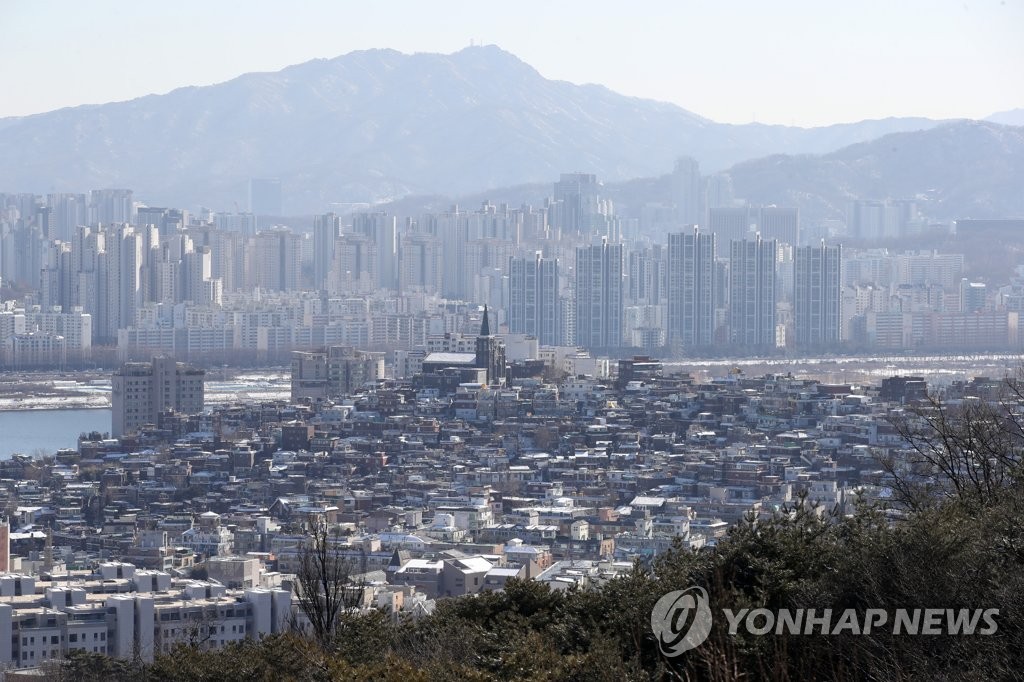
x,y
448,483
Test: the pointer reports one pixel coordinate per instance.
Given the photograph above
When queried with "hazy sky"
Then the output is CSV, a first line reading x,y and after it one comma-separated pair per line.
x,y
805,63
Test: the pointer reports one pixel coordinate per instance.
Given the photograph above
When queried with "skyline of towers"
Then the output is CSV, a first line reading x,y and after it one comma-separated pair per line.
x,y
681,287
678,291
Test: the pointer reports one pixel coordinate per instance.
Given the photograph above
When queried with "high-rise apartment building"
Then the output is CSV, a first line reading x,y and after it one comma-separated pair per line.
x,y
121,283
729,223
781,223
167,221
419,263
383,230
691,289
326,229
817,296
752,293
354,269
142,390
533,302
278,260
245,223
973,296
111,206
647,284
719,192
686,191
874,220
577,202
599,299
335,372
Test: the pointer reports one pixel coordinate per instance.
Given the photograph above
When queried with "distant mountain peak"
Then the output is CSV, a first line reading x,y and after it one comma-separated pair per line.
x,y
372,124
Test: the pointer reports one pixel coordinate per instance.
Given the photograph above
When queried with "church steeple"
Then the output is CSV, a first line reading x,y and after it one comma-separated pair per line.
x,y
485,326
490,352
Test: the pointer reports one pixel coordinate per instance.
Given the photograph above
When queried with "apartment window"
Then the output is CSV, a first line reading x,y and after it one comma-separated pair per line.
x,y
55,640
73,637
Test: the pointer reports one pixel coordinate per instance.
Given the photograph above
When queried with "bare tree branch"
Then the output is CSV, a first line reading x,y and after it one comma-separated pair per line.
x,y
324,582
969,450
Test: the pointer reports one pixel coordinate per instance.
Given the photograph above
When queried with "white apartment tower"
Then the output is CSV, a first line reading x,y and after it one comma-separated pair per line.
x,y
817,295
752,293
533,303
121,280
691,289
599,295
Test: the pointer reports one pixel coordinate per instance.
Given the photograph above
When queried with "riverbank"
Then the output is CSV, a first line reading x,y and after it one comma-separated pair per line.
x,y
91,390
37,432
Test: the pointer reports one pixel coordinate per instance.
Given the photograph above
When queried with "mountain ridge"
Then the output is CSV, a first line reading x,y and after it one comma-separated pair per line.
x,y
968,169
373,125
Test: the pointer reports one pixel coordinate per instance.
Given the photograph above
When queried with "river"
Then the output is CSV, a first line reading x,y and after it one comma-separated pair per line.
x,y
31,431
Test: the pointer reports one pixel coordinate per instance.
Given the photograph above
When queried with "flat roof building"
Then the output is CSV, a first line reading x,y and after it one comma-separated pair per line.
x,y
142,390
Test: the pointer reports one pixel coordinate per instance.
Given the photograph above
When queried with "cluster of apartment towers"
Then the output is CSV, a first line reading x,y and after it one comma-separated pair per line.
x,y
713,296
715,284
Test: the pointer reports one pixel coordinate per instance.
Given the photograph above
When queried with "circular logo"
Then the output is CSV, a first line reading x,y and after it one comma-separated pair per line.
x,y
681,620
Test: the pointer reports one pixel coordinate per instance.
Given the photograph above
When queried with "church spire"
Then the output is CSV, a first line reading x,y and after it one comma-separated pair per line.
x,y
485,326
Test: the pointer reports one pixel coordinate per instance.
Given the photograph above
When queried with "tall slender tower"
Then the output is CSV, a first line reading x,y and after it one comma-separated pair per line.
x,y
326,229
691,289
599,301
383,230
817,295
752,293
686,191
533,304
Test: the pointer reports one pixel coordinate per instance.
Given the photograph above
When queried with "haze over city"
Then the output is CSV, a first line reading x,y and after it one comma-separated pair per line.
x,y
792,63
460,340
